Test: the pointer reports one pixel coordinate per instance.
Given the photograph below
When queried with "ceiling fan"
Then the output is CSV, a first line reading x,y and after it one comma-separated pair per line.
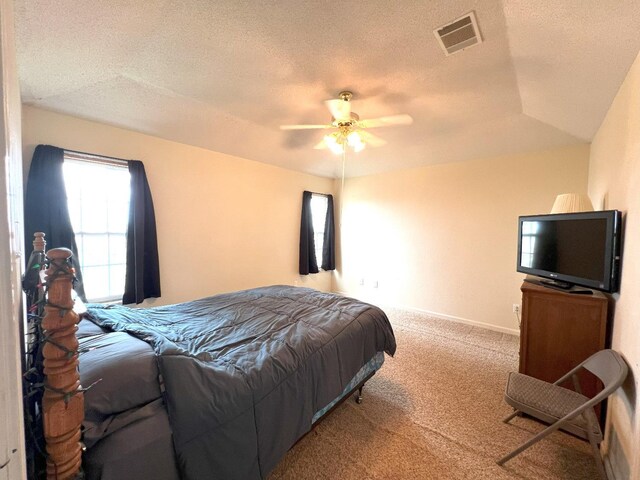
x,y
349,128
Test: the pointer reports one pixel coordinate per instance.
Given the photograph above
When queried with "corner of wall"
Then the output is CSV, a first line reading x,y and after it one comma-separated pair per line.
x,y
614,181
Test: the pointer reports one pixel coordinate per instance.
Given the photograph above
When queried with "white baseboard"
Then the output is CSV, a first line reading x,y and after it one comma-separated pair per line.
x,y
475,323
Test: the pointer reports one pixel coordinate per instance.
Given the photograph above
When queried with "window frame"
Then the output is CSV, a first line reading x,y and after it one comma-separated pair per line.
x,y
85,158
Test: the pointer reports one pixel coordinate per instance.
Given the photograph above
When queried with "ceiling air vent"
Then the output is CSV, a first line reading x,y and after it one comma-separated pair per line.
x,y
460,34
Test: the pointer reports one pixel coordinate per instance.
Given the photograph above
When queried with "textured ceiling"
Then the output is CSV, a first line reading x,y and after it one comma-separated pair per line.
x,y
224,75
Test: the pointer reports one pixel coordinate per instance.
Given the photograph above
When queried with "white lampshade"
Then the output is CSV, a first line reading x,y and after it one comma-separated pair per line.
x,y
572,202
331,141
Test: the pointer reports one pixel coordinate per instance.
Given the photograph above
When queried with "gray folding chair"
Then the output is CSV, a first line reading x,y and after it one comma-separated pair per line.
x,y
562,408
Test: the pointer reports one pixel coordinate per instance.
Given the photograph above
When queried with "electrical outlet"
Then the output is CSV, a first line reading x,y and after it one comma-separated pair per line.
x,y
516,308
362,281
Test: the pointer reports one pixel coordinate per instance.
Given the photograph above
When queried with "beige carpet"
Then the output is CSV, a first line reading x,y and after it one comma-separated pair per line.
x,y
434,412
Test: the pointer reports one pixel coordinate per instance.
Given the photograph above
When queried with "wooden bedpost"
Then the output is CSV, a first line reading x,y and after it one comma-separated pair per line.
x,y
63,401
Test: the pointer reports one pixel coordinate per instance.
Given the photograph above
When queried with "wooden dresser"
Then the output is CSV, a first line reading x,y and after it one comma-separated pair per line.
x,y
559,330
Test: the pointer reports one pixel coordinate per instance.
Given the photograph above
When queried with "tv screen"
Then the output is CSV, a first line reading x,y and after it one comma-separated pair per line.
x,y
571,249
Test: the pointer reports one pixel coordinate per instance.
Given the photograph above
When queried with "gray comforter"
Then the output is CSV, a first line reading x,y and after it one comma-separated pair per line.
x,y
245,372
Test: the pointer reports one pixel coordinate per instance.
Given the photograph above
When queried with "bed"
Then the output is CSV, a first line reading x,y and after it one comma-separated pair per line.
x,y
220,387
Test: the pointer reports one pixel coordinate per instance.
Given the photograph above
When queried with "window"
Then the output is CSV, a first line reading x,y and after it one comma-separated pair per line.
x,y
316,223
98,199
318,217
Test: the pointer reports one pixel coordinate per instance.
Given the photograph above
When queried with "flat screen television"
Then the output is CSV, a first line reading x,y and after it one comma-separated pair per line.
x,y
572,249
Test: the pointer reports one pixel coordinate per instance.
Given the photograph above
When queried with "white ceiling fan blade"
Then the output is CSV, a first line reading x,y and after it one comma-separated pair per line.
x,y
303,127
371,139
386,121
322,145
340,109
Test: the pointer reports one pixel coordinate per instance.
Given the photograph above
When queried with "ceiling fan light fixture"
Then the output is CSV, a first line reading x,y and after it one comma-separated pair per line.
x,y
333,144
336,149
354,140
337,142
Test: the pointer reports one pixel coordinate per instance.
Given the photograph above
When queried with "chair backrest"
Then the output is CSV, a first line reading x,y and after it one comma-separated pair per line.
x,y
609,367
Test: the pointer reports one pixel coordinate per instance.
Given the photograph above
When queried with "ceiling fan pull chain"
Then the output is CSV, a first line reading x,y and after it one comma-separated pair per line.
x,y
344,161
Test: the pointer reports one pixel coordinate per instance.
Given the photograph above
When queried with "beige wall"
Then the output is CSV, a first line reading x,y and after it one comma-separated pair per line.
x,y
614,183
444,238
224,223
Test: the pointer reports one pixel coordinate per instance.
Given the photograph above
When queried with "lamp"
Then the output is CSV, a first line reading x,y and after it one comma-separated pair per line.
x,y
572,202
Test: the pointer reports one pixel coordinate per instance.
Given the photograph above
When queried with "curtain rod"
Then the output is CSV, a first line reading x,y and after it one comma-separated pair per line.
x,y
97,157
318,193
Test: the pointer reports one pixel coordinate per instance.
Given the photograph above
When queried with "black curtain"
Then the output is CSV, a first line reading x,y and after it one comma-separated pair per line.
x,y
328,246
46,209
143,269
308,263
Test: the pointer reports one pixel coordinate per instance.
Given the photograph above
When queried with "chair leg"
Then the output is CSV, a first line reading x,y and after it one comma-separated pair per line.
x,y
508,418
527,444
598,458
594,447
